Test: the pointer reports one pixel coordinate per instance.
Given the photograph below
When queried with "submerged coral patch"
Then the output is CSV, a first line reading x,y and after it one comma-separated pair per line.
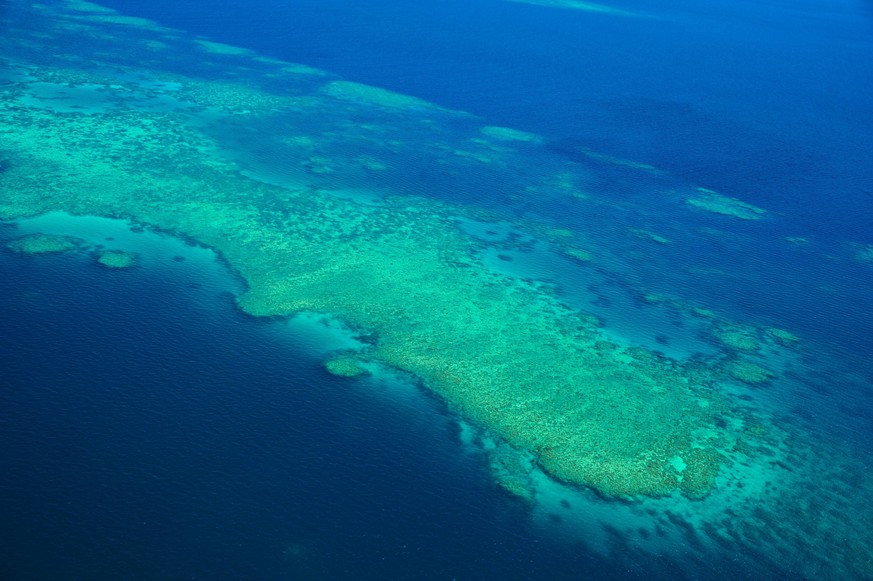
x,y
737,337
44,244
864,253
596,8
749,372
116,259
509,134
345,366
359,92
783,337
715,203
578,254
223,49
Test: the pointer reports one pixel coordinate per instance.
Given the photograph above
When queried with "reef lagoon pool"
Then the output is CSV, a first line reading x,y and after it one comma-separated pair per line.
x,y
495,289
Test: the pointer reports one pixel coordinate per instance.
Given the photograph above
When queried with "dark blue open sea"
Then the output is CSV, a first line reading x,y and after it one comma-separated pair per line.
x,y
149,430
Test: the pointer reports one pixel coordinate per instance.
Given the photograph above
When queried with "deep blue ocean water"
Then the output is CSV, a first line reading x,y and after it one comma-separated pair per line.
x,y
768,101
151,431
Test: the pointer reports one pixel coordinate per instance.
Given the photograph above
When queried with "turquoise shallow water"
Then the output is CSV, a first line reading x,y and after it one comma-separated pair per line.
x,y
151,426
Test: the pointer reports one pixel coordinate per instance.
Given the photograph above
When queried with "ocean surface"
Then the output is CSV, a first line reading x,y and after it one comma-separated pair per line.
x,y
149,429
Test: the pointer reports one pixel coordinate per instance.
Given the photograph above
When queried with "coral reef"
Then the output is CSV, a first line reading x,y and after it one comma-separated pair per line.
x,y
737,337
347,90
509,134
578,254
508,353
749,372
783,337
116,259
583,6
710,201
646,235
43,244
511,470
345,366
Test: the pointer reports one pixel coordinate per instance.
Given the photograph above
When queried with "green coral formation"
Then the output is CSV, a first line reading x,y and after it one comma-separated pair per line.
x,y
221,48
578,254
43,244
613,160
700,470
646,235
783,337
749,372
864,254
565,183
350,91
512,470
345,366
509,134
711,201
737,337
116,259
653,298
84,6
237,98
